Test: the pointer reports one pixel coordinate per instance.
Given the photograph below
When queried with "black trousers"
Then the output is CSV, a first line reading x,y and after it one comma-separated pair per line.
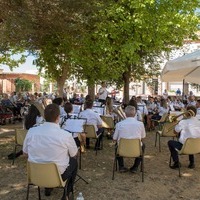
x,y
136,162
173,145
70,175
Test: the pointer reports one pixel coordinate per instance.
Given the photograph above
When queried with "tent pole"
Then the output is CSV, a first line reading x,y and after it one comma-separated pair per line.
x,y
183,93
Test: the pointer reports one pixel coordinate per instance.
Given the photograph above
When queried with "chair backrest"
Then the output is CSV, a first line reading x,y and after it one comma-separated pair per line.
x,y
90,131
108,122
44,175
191,146
164,118
20,135
129,147
168,129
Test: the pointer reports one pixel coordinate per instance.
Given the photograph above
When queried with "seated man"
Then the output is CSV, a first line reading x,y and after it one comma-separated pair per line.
x,y
93,118
187,128
49,143
129,128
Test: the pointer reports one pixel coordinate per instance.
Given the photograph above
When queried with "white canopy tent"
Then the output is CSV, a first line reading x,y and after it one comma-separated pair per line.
x,y
185,68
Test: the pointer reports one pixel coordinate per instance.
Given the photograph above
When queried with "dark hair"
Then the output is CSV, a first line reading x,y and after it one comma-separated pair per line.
x,y
133,102
89,103
193,108
68,107
58,101
30,119
88,97
51,112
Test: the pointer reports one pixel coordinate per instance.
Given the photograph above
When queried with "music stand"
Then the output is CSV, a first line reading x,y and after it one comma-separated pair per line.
x,y
76,109
76,125
98,109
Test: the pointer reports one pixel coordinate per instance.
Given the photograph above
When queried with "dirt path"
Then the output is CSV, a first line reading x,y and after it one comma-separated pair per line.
x,y
160,182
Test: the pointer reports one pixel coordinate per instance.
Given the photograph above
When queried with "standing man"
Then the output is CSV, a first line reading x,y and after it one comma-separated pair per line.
x,y
187,128
93,118
103,93
129,128
49,143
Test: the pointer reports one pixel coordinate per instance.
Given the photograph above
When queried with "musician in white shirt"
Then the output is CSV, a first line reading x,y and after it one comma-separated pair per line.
x,y
129,128
198,106
49,143
187,128
93,118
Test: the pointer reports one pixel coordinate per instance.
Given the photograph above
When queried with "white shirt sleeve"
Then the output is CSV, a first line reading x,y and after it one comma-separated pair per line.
x,y
72,147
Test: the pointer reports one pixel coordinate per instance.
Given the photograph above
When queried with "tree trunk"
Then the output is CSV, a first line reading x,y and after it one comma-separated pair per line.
x,y
60,84
126,79
91,91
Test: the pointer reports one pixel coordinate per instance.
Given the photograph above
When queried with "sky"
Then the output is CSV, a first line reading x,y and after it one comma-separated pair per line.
x,y
27,67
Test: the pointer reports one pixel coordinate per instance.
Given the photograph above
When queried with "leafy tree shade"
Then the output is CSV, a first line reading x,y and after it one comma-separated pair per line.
x,y
132,35
48,29
22,85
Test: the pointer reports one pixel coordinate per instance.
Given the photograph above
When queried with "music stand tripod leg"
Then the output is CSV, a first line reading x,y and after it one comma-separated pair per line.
x,y
80,178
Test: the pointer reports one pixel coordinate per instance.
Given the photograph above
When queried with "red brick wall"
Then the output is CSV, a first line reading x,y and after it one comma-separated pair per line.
x,y
7,80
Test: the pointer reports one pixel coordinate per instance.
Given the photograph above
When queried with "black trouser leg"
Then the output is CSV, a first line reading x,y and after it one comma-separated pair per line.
x,y
120,161
98,142
70,175
191,159
173,145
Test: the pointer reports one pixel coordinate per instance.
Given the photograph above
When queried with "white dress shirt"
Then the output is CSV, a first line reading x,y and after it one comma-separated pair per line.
x,y
129,128
49,143
92,118
103,93
188,128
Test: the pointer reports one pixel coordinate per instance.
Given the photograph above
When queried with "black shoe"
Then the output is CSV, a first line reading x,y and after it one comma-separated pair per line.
x,y
176,165
123,169
191,166
133,169
48,191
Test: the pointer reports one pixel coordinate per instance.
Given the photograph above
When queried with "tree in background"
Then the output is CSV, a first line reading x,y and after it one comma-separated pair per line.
x,y
22,85
132,35
50,30
97,40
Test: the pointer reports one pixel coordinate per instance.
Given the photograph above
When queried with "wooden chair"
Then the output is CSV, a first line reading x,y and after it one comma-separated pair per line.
x,y
20,135
190,147
91,133
44,175
167,131
129,148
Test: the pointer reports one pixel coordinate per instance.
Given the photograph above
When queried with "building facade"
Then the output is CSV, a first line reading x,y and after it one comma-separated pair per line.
x,y
7,81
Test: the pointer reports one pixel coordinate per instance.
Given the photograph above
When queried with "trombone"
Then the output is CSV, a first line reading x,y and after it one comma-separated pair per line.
x,y
174,119
186,115
120,113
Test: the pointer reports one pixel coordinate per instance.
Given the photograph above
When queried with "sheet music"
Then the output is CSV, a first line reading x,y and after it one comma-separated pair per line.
x,y
76,109
75,125
99,110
